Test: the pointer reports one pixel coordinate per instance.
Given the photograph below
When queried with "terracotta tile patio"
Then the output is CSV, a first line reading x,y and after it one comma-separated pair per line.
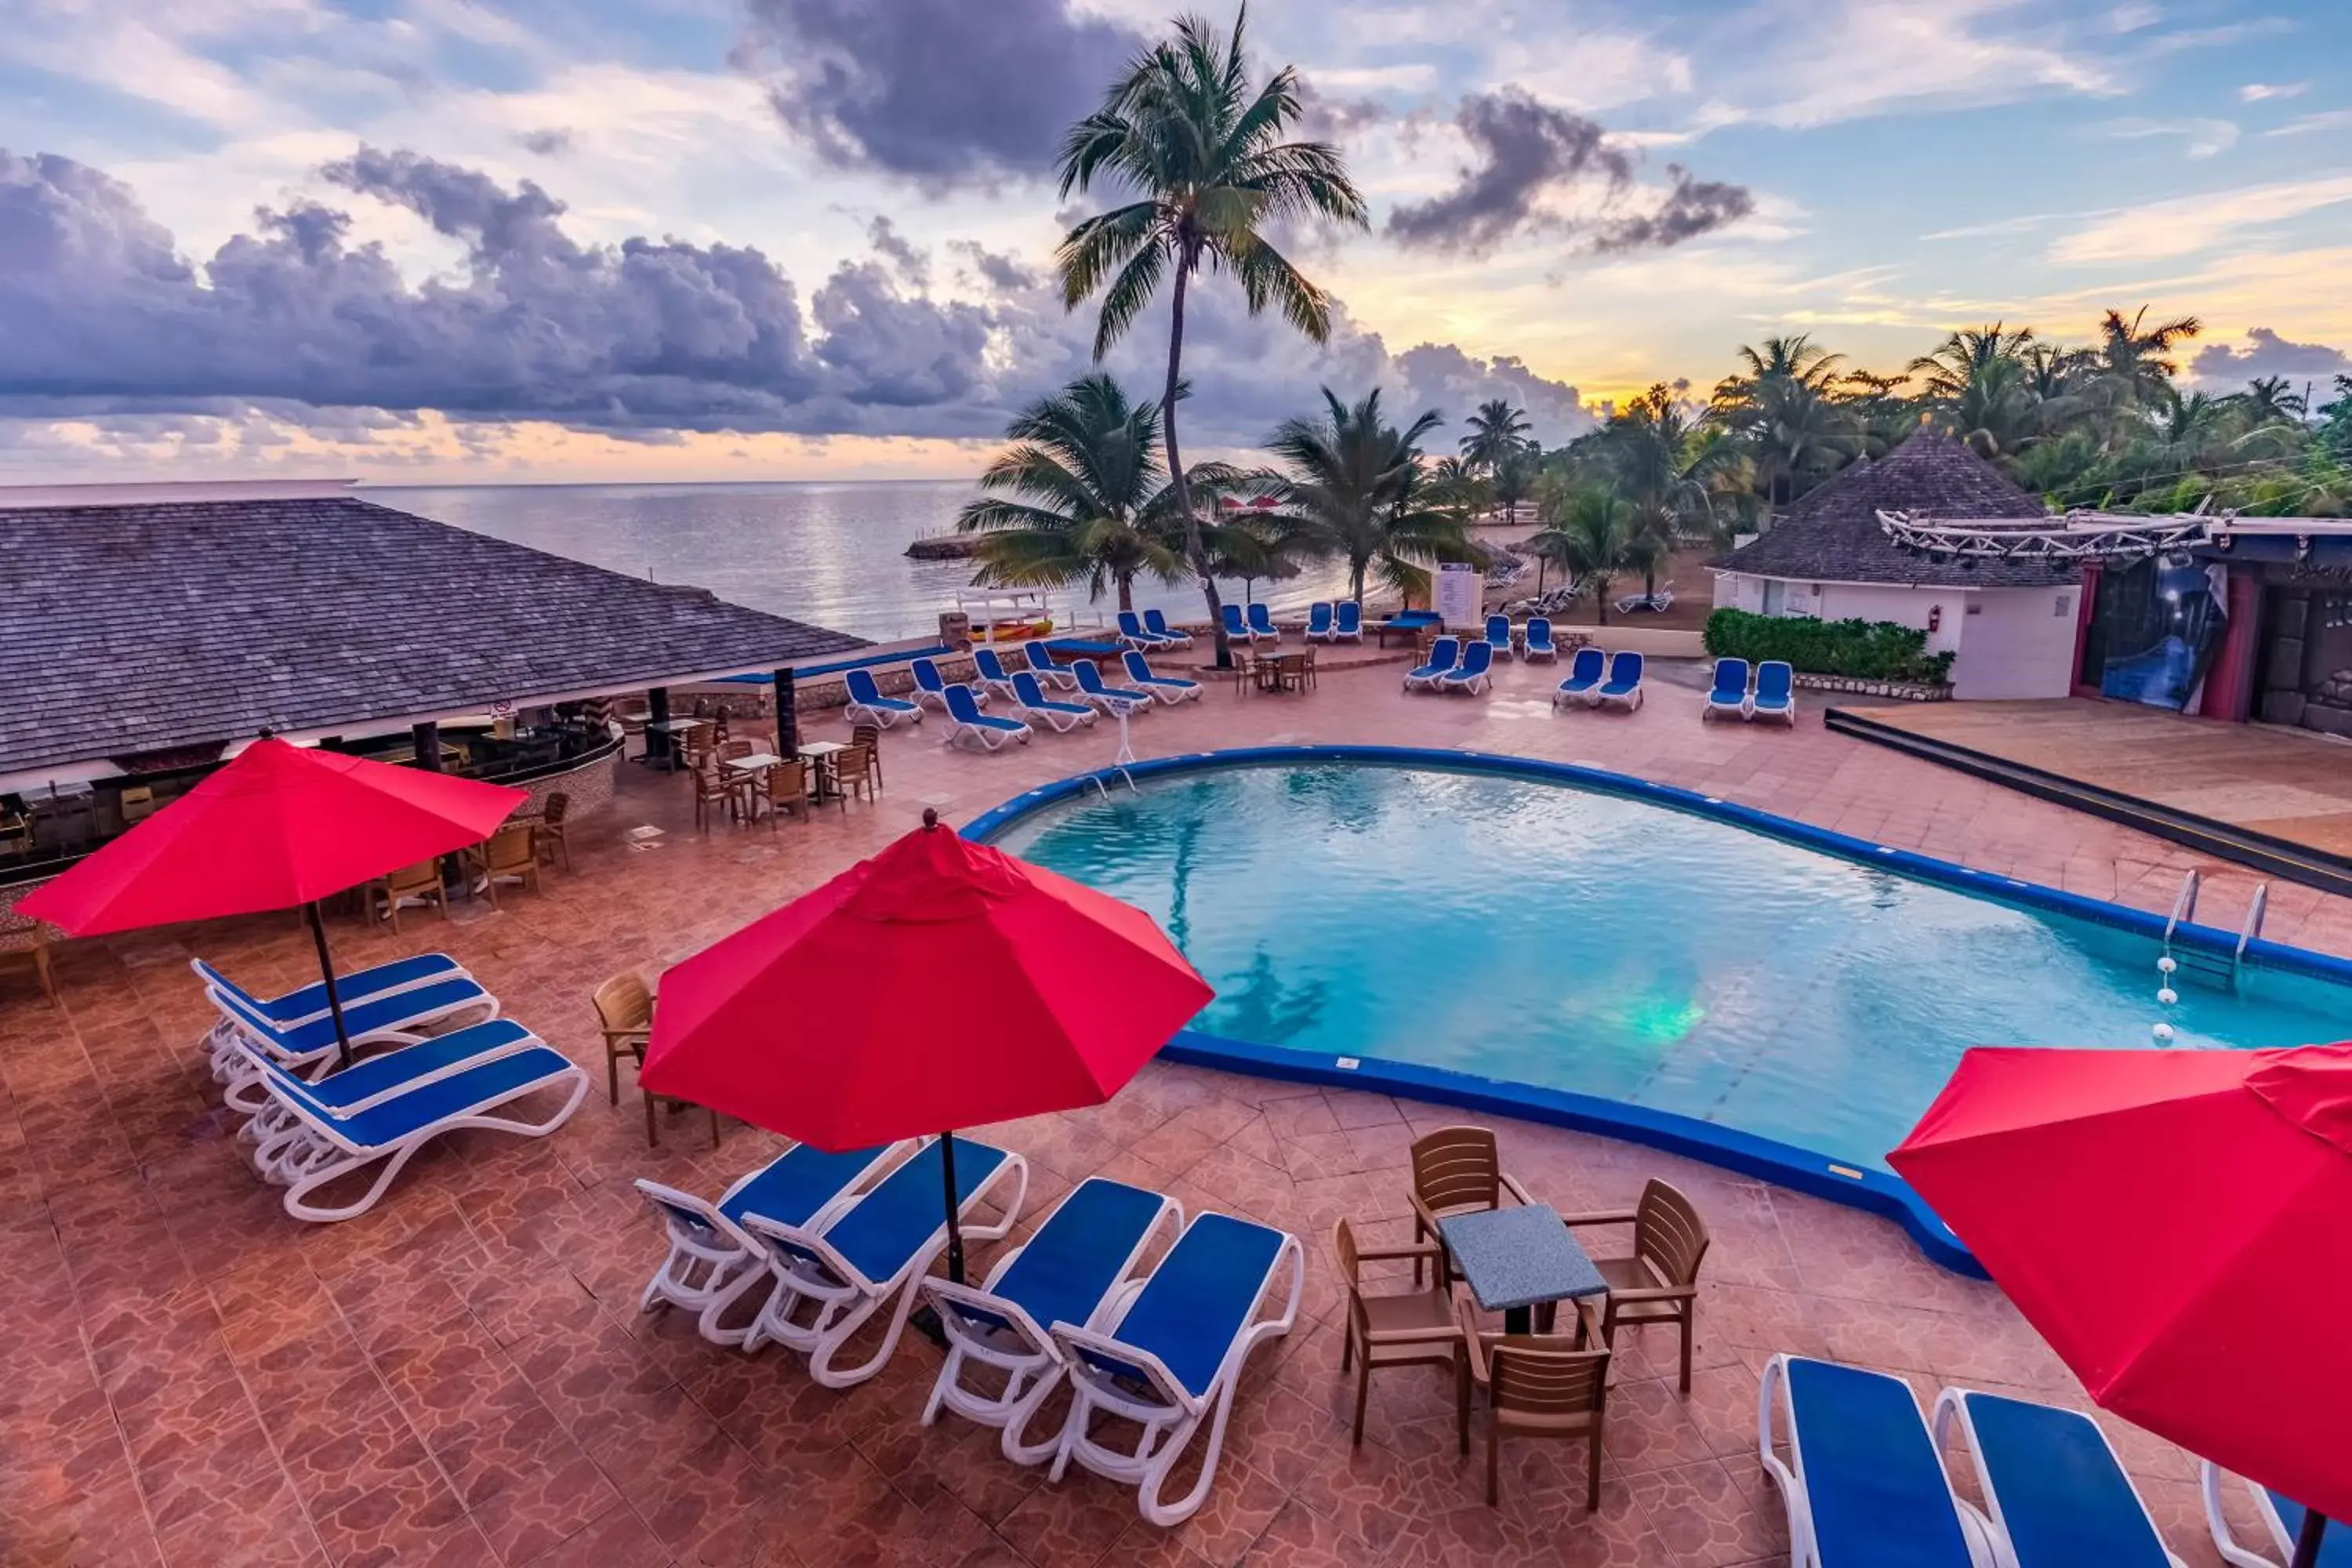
x,y
461,1376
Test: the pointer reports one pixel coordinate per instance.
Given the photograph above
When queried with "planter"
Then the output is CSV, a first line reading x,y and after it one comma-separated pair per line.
x,y
1901,690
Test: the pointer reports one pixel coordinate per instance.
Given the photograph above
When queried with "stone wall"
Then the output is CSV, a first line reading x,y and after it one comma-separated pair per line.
x,y
1903,690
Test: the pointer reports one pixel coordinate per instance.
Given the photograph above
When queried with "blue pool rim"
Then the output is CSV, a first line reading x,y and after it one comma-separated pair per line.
x,y
1857,1185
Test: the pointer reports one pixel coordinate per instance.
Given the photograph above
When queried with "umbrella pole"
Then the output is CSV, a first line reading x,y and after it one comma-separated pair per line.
x,y
955,1225
2306,1545
326,972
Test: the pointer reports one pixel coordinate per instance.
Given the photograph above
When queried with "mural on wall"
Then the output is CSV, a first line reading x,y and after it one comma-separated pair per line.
x,y
2163,623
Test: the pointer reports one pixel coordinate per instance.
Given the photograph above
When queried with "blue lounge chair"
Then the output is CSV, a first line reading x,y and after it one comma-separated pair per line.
x,y
1157,625
714,1262
2057,1493
992,672
1584,675
392,1018
1775,695
1261,625
1070,1271
1059,717
1863,1483
1348,621
373,1079
867,705
1040,655
1171,1356
1498,635
1169,689
1236,631
1110,698
967,722
1728,697
1538,648
1474,673
1136,635
1623,686
306,1003
2280,1518
1319,621
834,1276
390,1130
931,687
1441,656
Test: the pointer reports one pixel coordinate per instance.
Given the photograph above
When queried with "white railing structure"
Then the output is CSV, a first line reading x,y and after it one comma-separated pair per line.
x,y
2073,536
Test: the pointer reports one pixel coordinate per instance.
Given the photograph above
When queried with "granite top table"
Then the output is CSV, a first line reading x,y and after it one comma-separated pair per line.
x,y
1513,1258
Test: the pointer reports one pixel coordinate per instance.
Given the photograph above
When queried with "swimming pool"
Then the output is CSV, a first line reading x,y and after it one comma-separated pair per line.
x,y
1518,928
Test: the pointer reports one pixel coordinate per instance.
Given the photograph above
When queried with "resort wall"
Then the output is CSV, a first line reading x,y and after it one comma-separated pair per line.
x,y
2015,643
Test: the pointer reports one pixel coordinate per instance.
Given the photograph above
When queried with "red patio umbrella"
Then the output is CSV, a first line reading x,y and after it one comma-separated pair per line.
x,y
942,984
2179,1225
281,825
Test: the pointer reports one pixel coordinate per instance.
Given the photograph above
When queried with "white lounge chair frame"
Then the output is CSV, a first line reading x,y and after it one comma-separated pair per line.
x,y
216,1040
1041,664
989,736
2225,1540
854,712
304,1165
271,1123
707,1273
1168,1421
1805,1552
1026,1354
838,1300
238,1047
1952,1411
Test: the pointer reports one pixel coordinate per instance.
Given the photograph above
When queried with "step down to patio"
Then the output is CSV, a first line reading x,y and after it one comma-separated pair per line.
x,y
2225,841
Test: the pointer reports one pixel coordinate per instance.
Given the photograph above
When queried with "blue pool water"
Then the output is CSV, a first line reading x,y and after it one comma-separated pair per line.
x,y
1529,931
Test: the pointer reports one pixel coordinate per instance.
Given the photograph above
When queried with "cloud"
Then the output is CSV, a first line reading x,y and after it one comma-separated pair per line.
x,y
2185,225
2256,92
2308,124
107,323
2267,353
1691,208
553,142
2203,138
1522,149
941,91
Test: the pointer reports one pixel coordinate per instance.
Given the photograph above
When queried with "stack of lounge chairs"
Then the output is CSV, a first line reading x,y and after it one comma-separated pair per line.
x,y
411,1086
806,1251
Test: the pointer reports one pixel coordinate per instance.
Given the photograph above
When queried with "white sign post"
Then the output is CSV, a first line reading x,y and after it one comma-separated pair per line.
x,y
1462,597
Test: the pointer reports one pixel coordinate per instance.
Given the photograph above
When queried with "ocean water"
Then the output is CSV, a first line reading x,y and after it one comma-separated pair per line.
x,y
831,553
1537,932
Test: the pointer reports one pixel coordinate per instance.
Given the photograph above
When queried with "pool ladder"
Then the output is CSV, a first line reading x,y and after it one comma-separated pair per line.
x,y
2211,967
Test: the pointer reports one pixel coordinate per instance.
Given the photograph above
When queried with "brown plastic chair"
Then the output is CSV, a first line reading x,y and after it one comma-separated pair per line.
x,y
420,882
852,772
1456,1170
1659,1283
735,749
25,940
509,855
713,793
788,790
1411,1328
1540,1385
870,737
550,822
625,1011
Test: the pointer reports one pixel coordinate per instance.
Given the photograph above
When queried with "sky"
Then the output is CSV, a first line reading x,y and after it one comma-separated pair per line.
x,y
466,241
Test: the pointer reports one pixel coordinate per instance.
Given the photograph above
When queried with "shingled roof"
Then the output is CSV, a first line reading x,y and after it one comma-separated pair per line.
x,y
132,628
1832,534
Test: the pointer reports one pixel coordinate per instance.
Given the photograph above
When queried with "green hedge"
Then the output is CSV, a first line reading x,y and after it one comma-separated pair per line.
x,y
1863,650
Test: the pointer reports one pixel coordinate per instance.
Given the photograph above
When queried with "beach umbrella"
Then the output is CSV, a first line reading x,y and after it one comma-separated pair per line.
x,y
2179,1225
942,984
279,826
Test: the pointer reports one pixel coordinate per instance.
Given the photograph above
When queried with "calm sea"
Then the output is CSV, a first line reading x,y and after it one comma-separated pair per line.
x,y
831,554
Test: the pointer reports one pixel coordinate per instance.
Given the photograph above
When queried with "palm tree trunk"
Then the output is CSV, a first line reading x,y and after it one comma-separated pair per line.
x,y
1126,590
1195,551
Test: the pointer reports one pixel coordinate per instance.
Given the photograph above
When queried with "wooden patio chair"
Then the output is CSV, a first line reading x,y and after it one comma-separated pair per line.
x,y
870,737
624,1012
1540,1385
25,944
1659,1282
418,884
852,772
509,855
1456,1170
552,844
788,790
713,793
1407,1328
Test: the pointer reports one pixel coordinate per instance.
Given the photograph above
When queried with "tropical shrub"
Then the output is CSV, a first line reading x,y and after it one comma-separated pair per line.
x,y
1862,650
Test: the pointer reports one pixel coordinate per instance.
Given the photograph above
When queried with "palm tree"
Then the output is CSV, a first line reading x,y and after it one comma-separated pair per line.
x,y
2271,400
1591,536
2135,361
1793,434
1967,355
1353,489
1797,359
1183,128
1994,411
1455,488
1079,498
1496,430
1673,470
